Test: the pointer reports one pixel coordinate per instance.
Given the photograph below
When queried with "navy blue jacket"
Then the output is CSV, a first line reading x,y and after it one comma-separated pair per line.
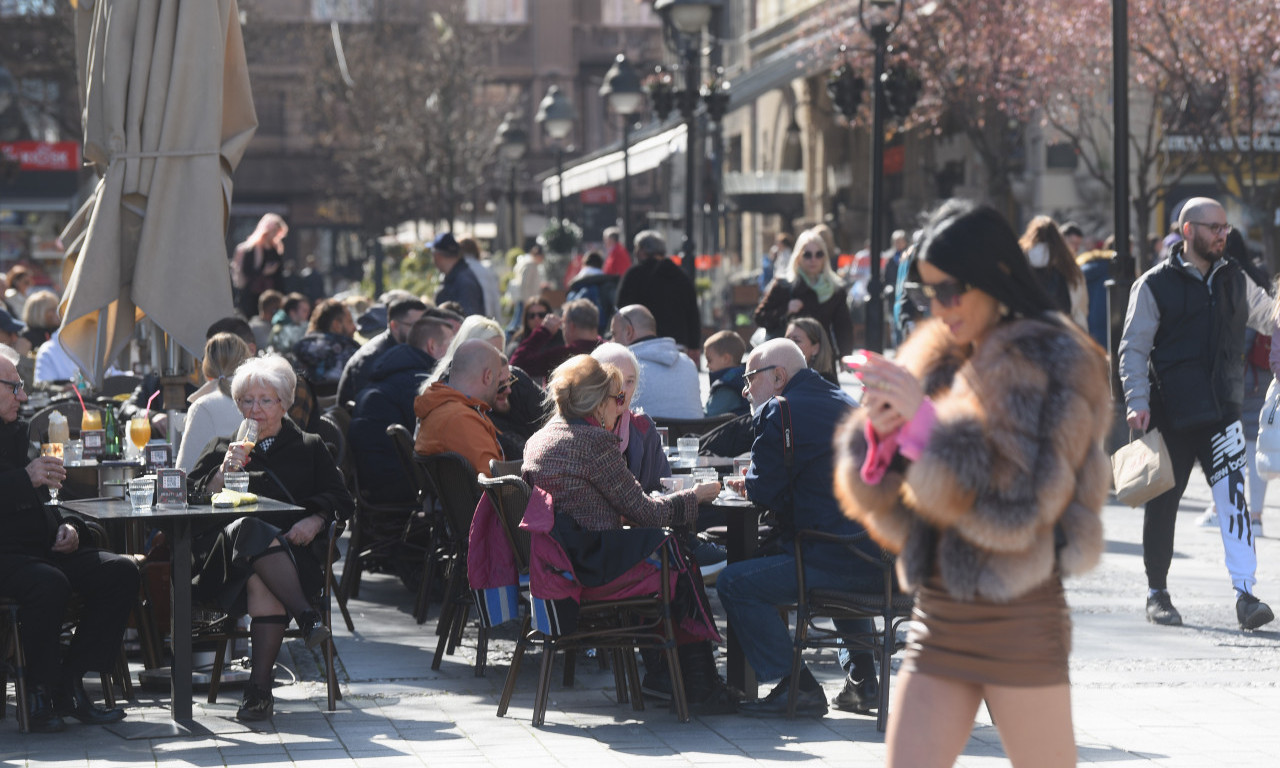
x,y
462,285
388,399
817,408
726,392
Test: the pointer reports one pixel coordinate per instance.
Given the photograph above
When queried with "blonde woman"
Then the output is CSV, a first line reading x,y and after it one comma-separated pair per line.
x,y
808,288
257,262
213,412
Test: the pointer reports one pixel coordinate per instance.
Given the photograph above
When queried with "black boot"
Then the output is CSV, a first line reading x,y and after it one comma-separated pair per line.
x,y
705,691
72,700
43,718
657,678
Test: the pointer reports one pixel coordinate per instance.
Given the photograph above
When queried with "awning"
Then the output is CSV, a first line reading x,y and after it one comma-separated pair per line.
x,y
780,192
606,168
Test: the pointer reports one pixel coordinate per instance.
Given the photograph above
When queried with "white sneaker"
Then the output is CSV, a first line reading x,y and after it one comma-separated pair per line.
x,y
1209,519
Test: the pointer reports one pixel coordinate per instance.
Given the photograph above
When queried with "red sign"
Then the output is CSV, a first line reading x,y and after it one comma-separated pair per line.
x,y
599,196
43,155
895,158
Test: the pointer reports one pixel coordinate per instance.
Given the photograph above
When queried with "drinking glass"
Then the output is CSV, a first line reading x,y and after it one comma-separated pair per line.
x,y
140,430
662,438
73,456
236,481
740,466
687,448
673,484
90,419
55,450
142,491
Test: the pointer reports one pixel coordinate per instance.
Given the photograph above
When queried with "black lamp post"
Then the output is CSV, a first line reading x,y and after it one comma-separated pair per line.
x,y
555,115
512,141
878,18
683,22
622,89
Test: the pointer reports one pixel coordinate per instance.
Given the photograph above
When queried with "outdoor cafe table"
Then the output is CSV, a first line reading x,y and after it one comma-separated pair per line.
x,y
723,463
176,521
742,519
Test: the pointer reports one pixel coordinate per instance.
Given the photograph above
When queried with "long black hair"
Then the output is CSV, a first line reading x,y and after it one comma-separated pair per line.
x,y
974,244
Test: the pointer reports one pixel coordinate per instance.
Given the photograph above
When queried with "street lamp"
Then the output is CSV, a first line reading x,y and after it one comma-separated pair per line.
x,y
878,19
555,115
512,141
683,22
622,89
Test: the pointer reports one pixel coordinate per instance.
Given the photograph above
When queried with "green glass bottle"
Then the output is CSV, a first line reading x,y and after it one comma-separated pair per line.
x,y
111,447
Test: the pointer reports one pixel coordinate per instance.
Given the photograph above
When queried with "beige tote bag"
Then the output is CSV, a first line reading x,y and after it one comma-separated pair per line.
x,y
1142,470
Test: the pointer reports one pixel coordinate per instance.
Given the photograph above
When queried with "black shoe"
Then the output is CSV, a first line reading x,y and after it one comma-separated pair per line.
x,y
860,696
656,683
1160,610
719,699
258,704
314,632
704,689
72,700
43,717
808,703
1252,612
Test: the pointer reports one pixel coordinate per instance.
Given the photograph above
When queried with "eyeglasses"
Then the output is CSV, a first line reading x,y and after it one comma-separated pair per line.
x,y
535,315
16,386
620,398
247,403
507,385
747,376
946,293
815,255
1217,229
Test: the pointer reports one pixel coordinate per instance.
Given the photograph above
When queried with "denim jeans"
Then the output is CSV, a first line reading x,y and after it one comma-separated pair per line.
x,y
752,590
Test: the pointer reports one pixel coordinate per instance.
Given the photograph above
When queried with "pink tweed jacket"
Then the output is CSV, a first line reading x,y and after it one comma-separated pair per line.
x,y
583,470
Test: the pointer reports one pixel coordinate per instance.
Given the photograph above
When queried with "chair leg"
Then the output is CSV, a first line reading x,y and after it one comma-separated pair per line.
x,y
621,683
544,682
331,674
459,625
677,680
797,653
108,689
632,679
349,586
122,673
886,668
342,602
215,675
513,672
482,650
19,672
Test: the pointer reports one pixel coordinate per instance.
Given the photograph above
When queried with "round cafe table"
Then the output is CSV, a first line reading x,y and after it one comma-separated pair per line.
x,y
685,466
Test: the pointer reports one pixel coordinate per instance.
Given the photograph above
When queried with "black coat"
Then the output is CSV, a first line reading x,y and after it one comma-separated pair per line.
x,y
663,288
387,400
833,314
29,526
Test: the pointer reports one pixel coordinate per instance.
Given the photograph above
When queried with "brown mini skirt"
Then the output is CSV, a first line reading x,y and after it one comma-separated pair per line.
x,y
1024,642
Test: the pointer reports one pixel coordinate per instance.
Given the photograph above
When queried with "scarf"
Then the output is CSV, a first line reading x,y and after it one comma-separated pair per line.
x,y
623,430
824,286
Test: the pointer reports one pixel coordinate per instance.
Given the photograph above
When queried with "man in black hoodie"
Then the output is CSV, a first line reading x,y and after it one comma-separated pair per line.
x,y
42,563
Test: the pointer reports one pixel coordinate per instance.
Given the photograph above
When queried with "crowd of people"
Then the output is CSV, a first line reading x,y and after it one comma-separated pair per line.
x,y
974,454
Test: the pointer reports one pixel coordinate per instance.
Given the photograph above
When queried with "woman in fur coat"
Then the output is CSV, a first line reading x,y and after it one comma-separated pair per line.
x,y
976,455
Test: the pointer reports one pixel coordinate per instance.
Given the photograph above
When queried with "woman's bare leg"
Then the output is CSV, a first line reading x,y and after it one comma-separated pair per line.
x,y
930,720
1034,724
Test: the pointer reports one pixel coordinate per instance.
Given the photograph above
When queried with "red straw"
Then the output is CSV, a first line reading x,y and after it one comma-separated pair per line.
x,y
78,397
152,399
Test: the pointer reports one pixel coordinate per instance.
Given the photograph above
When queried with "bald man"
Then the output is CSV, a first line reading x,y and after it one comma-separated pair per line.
x,y
1182,367
669,387
796,486
453,414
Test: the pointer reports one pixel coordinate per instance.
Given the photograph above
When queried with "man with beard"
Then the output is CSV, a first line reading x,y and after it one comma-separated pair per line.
x,y
1182,366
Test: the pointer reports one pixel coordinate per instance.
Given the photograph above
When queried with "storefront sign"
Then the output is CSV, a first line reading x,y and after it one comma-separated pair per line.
x,y
43,155
599,196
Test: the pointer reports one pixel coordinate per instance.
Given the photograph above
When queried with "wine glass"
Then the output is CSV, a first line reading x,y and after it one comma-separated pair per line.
x,y
246,435
52,449
140,430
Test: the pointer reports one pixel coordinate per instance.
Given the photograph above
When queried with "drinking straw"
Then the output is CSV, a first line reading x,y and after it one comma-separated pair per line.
x,y
78,397
152,399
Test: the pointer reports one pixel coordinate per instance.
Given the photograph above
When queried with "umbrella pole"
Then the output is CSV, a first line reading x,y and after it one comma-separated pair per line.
x,y
173,354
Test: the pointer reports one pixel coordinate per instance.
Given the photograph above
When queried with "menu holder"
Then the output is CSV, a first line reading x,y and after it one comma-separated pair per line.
x,y
95,443
159,456
171,486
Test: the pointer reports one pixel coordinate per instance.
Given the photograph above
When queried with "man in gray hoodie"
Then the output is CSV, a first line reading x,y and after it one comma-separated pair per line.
x,y
668,386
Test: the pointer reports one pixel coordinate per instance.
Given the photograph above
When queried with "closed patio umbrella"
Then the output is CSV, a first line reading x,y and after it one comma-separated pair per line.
x,y
167,116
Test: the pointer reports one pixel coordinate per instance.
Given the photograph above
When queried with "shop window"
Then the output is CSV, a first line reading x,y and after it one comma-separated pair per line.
x,y
497,12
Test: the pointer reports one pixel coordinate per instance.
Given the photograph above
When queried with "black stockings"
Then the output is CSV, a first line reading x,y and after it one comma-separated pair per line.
x,y
280,575
267,634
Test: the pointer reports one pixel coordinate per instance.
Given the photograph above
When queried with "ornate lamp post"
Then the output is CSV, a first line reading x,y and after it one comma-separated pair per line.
x,y
622,90
878,18
556,116
512,141
683,22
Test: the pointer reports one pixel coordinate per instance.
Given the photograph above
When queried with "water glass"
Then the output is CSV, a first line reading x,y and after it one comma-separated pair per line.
x,y
740,466
704,475
687,448
236,481
73,453
673,484
662,437
142,492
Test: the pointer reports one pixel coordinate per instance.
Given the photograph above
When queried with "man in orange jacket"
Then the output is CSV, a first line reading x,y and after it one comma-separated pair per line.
x,y
453,414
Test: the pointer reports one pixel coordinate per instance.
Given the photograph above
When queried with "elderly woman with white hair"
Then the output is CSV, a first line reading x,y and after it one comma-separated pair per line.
x,y
636,432
270,569
808,288
519,411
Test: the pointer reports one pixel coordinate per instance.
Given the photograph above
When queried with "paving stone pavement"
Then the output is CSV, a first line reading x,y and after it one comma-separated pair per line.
x,y
1198,696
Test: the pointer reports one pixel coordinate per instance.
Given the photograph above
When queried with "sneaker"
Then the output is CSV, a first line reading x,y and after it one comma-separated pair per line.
x,y
711,559
1209,519
1160,610
860,696
258,704
1252,612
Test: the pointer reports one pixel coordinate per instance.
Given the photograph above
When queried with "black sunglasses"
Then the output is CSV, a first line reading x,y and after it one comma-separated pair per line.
x,y
946,293
16,386
815,255
535,315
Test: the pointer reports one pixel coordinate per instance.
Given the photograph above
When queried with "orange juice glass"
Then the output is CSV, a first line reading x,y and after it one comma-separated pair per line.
x,y
90,419
139,430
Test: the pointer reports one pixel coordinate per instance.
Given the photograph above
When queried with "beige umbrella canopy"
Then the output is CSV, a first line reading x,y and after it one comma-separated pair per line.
x,y
167,116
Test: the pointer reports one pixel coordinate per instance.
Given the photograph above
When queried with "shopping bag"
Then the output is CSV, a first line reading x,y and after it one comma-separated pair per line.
x,y
1142,470
1268,445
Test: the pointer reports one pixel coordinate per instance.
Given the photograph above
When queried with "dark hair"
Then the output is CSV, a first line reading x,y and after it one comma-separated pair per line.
x,y
455,307
235,325
1070,228
974,244
293,301
269,301
441,313
594,259
428,328
1042,229
399,310
324,315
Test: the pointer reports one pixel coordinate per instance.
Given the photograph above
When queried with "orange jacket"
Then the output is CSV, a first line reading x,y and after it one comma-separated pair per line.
x,y
448,420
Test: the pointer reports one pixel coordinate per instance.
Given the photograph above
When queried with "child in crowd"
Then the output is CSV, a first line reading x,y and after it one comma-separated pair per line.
x,y
724,352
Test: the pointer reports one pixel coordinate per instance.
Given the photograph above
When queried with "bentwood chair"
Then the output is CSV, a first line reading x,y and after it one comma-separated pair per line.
x,y
815,606
423,531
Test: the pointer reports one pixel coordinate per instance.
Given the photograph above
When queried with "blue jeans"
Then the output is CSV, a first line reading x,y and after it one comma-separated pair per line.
x,y
752,590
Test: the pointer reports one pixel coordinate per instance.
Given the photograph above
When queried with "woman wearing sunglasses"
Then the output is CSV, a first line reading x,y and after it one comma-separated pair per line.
x,y
808,288
535,312
976,455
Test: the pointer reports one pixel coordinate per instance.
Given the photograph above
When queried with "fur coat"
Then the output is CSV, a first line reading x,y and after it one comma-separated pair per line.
x,y
1016,449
